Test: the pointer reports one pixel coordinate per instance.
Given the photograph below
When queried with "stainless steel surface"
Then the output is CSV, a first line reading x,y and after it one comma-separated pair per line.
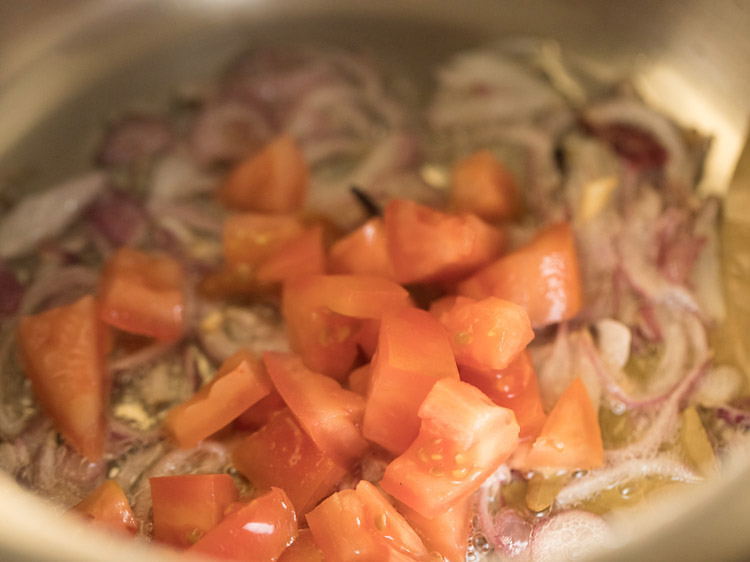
x,y
68,65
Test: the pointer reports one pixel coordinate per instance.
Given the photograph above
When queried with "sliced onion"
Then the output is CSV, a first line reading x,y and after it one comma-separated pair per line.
x,y
719,386
176,176
11,291
614,341
119,217
44,215
706,274
568,535
557,371
58,285
141,357
134,138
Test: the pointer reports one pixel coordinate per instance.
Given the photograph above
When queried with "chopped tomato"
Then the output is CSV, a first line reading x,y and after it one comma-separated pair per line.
x,y
413,353
142,293
258,414
303,549
488,333
281,454
249,238
187,506
240,382
542,276
427,245
464,437
303,255
483,186
326,340
258,531
362,525
364,251
108,507
515,387
447,534
367,336
359,379
330,415
234,281
275,180
571,437
63,353
361,296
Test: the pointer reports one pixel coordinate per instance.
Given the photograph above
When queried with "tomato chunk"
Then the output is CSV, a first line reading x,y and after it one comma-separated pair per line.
x,y
447,534
571,437
361,524
361,296
142,293
63,353
542,276
108,507
326,341
281,454
303,549
515,387
187,506
364,251
303,255
275,180
483,186
240,382
428,245
258,531
249,238
413,353
488,333
330,415
257,415
463,438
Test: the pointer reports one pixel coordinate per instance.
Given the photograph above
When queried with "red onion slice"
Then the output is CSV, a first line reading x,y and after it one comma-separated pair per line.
x,y
134,138
119,217
569,535
11,291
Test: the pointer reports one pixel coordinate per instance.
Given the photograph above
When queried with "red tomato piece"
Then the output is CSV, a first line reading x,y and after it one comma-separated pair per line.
x,y
240,382
483,186
230,281
63,353
275,180
187,506
571,437
428,245
258,531
108,507
257,415
142,294
542,276
329,414
281,454
303,255
488,333
447,534
326,341
464,437
362,525
249,238
303,549
359,380
413,353
515,387
364,252
362,296
367,336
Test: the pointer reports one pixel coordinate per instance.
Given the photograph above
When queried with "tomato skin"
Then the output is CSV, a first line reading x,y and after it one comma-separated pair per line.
x,y
482,185
428,245
303,549
364,251
240,382
361,296
303,255
329,414
571,437
413,353
542,276
142,293
447,534
514,387
326,341
187,506
359,380
258,531
463,438
249,238
274,180
108,507
257,415
281,454
362,525
63,353
488,333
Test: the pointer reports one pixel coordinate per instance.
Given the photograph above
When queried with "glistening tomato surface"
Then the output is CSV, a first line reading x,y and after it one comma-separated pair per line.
x,y
108,507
